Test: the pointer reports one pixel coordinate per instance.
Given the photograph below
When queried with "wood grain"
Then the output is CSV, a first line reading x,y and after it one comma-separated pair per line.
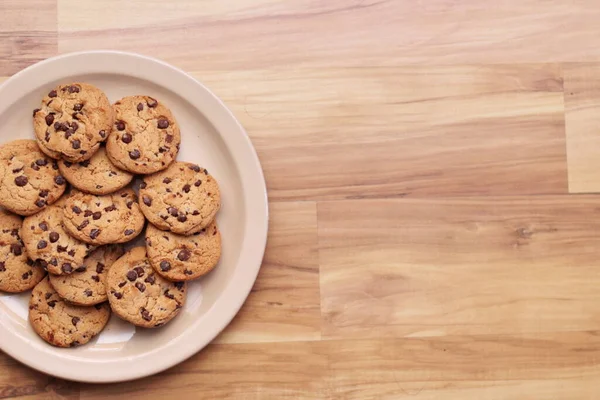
x,y
262,33
582,119
394,132
285,302
459,266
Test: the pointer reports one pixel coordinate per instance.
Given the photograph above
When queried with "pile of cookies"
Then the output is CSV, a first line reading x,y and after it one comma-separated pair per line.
x,y
70,246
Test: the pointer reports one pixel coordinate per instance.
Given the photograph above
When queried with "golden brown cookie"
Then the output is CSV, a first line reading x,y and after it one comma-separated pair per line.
x,y
145,137
97,175
72,122
87,286
183,199
62,324
138,295
29,180
48,243
112,218
17,272
183,258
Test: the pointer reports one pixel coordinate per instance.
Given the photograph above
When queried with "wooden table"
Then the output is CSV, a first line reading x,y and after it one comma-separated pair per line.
x,y
431,167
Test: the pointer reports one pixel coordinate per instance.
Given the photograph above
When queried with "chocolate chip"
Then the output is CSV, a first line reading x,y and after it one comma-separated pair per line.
x,y
169,138
181,218
196,212
43,226
35,111
48,295
52,93
117,295
83,224
184,255
47,136
53,261
71,252
25,276
67,268
134,154
173,211
61,249
82,268
167,181
35,167
110,208
168,294
150,279
2,266
49,119
129,232
145,314
152,102
75,320
44,193
59,180
75,144
94,233
96,278
132,275
52,303
140,107
77,107
179,285
40,203
163,123
195,168
42,244
187,272
129,204
126,138
15,233
73,89
186,188
85,163
102,134
120,125
17,170
88,293
76,210
59,126
97,215
140,286
198,183
21,181
16,249
147,200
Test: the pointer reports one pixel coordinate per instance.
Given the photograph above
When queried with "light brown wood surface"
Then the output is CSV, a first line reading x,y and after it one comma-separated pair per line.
x,y
432,169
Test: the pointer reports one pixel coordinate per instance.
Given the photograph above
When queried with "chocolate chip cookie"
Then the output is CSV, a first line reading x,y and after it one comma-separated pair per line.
x,y
145,136
112,218
17,272
48,243
97,175
62,324
138,295
87,285
72,122
29,180
183,199
183,258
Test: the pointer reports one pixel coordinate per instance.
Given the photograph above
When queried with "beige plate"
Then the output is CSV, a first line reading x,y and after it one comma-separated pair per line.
x,y
211,137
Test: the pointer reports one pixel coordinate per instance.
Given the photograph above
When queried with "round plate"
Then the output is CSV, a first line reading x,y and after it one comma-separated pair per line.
x,y
212,138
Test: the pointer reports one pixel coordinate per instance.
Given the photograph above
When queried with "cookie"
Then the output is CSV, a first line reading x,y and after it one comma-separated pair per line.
x,y
72,122
62,324
48,243
138,295
88,287
97,175
183,258
29,180
17,272
145,137
183,199
112,218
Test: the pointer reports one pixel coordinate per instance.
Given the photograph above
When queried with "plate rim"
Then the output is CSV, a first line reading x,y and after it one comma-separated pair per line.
x,y
176,350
